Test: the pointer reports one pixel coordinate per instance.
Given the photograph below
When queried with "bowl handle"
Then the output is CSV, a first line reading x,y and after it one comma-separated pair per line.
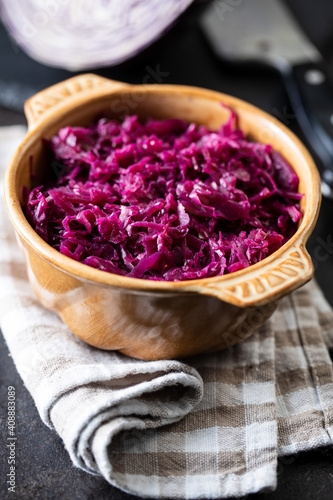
x,y
266,284
60,95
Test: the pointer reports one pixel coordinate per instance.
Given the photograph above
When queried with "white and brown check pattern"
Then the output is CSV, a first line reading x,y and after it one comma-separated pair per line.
x,y
212,426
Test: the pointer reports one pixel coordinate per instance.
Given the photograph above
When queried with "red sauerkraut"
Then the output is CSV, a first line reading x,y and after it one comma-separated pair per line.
x,y
164,200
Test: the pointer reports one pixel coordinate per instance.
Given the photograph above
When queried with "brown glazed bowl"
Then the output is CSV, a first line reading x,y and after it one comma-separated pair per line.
x,y
151,319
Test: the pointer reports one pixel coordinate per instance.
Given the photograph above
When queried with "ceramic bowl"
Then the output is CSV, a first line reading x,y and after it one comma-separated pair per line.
x,y
150,319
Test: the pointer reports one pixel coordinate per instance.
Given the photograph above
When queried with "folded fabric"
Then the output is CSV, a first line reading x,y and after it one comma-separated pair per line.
x,y
212,426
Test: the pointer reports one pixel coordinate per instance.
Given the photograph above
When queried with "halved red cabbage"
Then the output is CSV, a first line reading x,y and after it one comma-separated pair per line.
x,y
84,34
164,200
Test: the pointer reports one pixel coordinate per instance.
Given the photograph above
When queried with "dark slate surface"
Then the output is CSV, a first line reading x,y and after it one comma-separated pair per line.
x,y
44,470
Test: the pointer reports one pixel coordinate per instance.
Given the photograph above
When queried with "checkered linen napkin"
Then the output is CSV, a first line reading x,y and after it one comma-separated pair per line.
x,y
212,426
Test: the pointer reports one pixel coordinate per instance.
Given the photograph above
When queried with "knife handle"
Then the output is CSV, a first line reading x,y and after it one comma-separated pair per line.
x,y
311,97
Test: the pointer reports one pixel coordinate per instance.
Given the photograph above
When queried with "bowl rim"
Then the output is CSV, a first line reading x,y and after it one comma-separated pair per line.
x,y
207,286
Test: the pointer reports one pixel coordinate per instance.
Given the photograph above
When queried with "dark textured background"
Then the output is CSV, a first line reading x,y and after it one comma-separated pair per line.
x,y
44,470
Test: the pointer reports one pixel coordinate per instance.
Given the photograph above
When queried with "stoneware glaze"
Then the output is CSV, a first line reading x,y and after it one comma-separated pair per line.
x,y
142,318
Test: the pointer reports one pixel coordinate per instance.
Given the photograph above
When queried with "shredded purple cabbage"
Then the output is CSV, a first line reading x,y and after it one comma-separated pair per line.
x,y
164,200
